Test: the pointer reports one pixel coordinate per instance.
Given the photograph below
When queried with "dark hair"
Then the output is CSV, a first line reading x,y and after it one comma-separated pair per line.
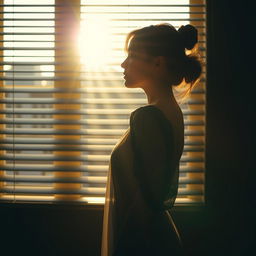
x,y
165,40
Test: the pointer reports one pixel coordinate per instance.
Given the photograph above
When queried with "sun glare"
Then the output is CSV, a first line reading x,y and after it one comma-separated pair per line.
x,y
94,41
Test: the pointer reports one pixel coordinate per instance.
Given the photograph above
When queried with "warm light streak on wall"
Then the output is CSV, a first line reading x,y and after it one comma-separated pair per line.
x,y
65,53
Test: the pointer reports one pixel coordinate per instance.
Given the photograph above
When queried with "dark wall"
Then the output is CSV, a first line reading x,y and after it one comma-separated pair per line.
x,y
230,112
226,225
50,230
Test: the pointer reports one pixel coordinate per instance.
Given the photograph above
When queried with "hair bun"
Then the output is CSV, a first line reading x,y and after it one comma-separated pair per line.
x,y
188,34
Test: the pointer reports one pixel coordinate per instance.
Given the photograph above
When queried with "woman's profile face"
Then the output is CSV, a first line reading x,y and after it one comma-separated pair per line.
x,y
137,69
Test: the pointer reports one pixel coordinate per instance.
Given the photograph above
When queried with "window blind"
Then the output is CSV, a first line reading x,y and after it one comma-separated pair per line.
x,y
63,104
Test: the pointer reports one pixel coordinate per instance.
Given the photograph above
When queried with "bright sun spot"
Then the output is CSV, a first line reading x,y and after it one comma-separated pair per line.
x,y
94,41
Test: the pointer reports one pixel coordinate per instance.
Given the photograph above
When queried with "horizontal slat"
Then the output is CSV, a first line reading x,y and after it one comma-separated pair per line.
x,y
143,16
89,148
46,131
34,63
98,111
83,158
12,76
90,181
85,131
91,11
118,32
115,61
111,19
33,40
49,48
42,62
48,51
190,192
72,101
114,27
55,78
33,48
114,81
47,157
28,33
116,90
122,101
105,122
99,200
82,141
92,169
191,169
147,4
104,5
45,191
85,191
118,25
159,19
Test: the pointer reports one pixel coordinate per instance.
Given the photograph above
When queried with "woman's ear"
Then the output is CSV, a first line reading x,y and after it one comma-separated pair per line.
x,y
160,61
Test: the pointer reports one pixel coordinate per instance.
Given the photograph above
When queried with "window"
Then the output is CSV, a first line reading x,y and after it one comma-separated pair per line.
x,y
63,105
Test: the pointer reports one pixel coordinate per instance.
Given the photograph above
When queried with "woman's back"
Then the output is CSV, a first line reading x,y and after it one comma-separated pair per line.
x,y
173,114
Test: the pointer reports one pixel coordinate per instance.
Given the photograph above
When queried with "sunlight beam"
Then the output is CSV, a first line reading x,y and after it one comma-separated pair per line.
x,y
94,41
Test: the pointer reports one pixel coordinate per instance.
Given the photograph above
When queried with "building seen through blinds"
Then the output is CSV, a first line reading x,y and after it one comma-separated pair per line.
x,y
63,101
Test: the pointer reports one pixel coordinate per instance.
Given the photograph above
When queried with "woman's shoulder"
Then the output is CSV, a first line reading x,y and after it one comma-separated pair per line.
x,y
150,112
145,113
149,115
147,110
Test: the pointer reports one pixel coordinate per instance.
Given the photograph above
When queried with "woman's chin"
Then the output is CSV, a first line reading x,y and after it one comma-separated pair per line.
x,y
127,84
130,84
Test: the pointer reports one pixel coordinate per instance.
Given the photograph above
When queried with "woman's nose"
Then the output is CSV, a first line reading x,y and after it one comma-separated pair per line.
x,y
123,64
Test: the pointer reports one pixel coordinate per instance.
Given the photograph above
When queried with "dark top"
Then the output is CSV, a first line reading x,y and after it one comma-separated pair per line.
x,y
142,185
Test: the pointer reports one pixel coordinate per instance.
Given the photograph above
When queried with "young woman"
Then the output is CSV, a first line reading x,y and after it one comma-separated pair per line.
x,y
144,167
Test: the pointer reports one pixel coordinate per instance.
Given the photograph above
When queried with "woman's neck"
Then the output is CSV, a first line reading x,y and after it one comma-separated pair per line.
x,y
158,95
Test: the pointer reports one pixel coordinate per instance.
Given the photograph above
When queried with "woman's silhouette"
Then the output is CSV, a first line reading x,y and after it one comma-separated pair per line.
x,y
144,167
